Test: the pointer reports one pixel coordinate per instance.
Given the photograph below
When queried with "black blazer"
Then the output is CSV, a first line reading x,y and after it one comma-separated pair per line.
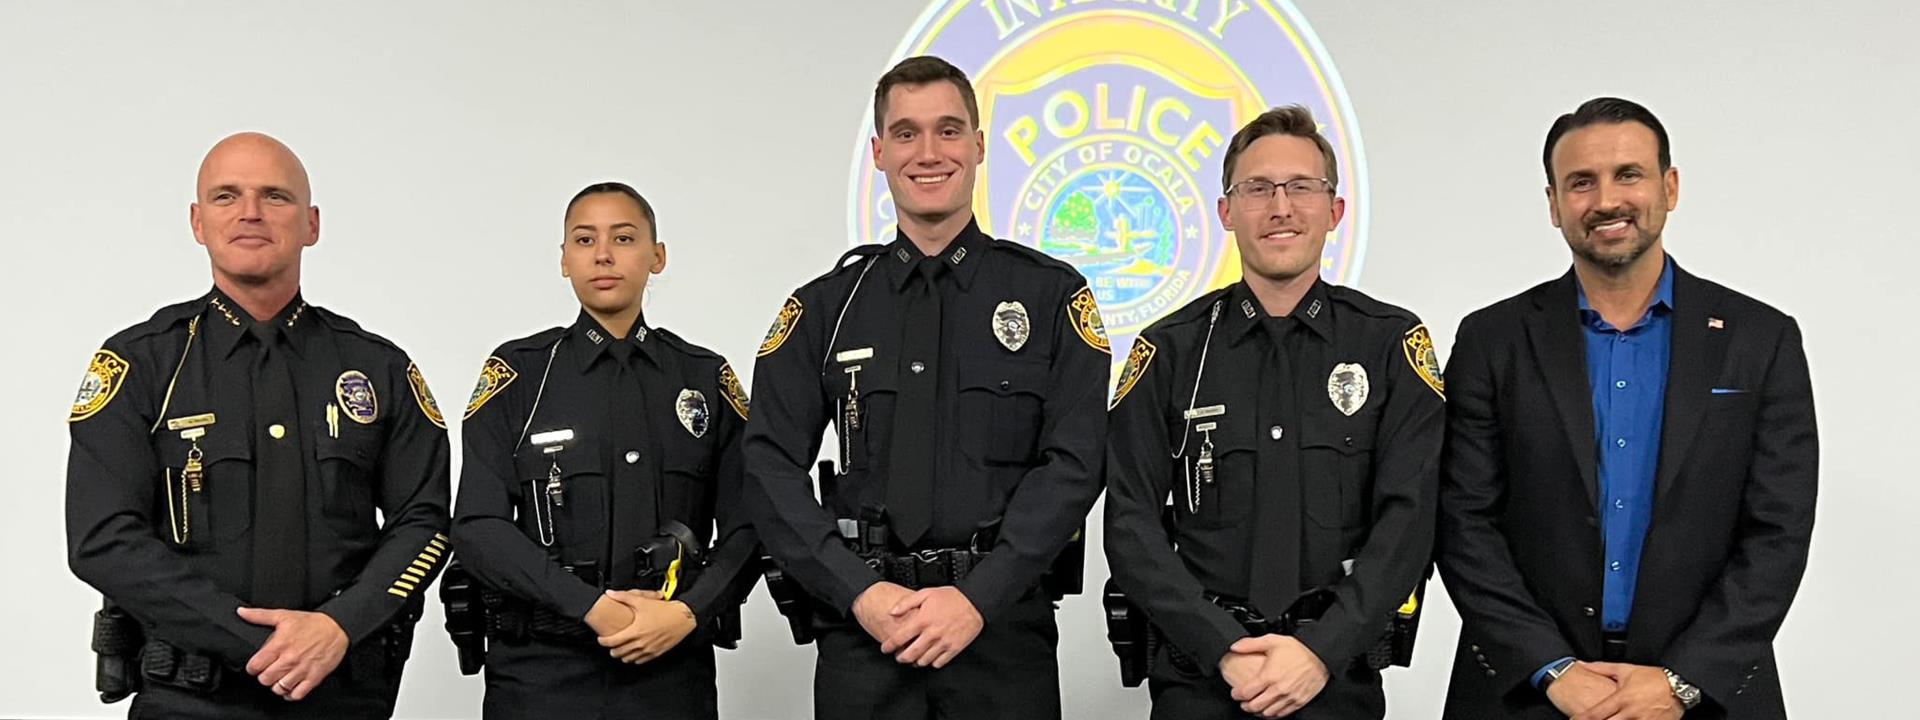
x,y
1520,546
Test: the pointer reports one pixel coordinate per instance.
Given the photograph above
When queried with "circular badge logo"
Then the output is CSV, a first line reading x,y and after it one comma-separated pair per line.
x,y
1106,124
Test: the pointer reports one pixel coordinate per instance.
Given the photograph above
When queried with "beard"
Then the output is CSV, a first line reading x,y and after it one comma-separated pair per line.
x,y
1617,259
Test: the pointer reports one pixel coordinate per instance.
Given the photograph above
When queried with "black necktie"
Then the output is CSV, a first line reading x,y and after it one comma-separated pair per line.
x,y
910,466
280,488
630,429
1274,580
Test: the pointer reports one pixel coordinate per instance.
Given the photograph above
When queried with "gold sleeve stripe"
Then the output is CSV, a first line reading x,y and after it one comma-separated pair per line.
x,y
397,593
422,566
433,551
403,584
442,538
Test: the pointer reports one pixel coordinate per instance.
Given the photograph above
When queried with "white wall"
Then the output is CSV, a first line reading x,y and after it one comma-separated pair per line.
x,y
444,138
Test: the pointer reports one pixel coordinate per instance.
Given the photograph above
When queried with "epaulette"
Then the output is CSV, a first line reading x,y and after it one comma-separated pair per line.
x,y
347,325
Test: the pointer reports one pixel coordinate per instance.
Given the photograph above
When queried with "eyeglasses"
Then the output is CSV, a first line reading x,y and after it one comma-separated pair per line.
x,y
1297,189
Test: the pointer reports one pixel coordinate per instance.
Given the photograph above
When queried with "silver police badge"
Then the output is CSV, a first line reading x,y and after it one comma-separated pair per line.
x,y
1011,326
692,409
1347,387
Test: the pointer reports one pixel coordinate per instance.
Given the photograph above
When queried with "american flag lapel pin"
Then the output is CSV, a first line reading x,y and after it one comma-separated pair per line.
x,y
1714,323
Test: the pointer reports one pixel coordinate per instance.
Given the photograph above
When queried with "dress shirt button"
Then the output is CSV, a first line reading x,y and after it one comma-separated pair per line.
x,y
1622,384
917,367
1588,611
633,456
277,430
1619,504
1614,566
1622,442
1275,432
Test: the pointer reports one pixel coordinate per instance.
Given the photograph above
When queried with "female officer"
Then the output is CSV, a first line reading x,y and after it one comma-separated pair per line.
x,y
600,458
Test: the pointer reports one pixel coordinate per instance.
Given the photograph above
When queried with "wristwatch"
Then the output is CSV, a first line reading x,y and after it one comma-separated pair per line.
x,y
1554,672
1688,695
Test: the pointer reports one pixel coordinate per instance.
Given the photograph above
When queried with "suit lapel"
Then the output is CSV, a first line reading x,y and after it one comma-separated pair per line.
x,y
1560,350
1697,355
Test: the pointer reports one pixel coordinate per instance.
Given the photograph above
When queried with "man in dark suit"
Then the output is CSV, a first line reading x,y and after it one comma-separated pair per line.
x,y
1628,485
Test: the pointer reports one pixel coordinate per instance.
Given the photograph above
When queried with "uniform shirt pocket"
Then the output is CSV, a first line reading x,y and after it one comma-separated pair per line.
x,y
1336,458
577,521
221,510
349,464
1001,406
1229,498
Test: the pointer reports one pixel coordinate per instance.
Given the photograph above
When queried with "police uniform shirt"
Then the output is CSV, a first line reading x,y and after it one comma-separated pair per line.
x,y
1016,420
1323,428
644,429
168,499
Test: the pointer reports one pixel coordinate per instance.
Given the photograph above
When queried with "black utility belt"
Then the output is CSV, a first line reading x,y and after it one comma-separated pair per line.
x,y
1304,611
515,620
374,659
1393,647
921,569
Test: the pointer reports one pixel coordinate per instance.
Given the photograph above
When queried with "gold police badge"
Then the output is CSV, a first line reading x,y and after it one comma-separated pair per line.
x,y
99,386
355,394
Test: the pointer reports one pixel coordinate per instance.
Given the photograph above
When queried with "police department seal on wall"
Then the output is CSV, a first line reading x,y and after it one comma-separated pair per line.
x,y
1106,123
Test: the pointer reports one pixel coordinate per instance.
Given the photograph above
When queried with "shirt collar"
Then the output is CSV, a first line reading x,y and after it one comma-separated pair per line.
x,y
1243,312
591,341
227,324
1662,299
962,256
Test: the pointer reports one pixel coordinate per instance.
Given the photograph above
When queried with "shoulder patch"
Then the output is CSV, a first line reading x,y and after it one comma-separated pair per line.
x,y
1419,350
424,397
1138,359
783,325
1084,314
495,376
730,387
101,383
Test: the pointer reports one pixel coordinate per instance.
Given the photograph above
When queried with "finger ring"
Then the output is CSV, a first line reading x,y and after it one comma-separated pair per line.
x,y
282,684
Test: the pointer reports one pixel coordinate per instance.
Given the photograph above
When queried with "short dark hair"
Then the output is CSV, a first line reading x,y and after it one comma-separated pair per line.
x,y
1610,110
1294,120
618,188
921,70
